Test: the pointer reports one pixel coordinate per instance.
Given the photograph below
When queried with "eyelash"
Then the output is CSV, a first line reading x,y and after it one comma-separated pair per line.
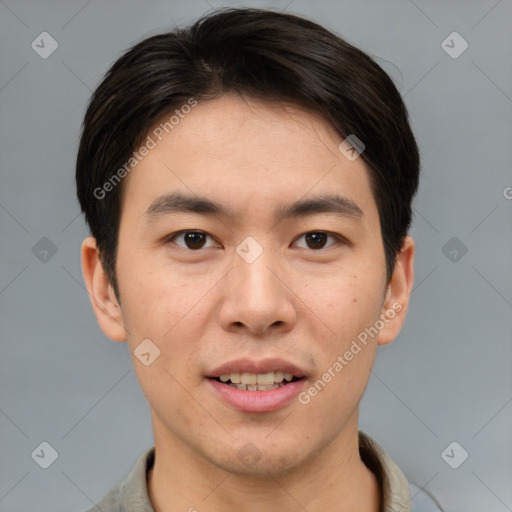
x,y
337,237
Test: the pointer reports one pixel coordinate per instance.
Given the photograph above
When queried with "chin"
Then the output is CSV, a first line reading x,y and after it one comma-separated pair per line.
x,y
261,459
266,468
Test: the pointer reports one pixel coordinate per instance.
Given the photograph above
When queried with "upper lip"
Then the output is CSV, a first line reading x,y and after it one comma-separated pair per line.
x,y
257,366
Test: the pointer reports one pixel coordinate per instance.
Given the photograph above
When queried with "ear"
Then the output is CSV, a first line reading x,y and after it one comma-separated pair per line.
x,y
398,291
104,302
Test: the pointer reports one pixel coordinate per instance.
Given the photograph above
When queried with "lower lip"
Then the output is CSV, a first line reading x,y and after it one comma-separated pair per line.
x,y
258,401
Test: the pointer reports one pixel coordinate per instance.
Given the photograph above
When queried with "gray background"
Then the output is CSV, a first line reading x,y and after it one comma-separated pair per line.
x,y
448,375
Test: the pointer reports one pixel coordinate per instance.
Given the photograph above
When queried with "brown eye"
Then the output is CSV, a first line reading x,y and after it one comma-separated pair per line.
x,y
192,239
317,239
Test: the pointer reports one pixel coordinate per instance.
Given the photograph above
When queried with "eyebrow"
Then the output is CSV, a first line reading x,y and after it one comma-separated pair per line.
x,y
177,202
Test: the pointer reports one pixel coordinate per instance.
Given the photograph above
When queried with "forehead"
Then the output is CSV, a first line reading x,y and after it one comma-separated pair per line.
x,y
247,153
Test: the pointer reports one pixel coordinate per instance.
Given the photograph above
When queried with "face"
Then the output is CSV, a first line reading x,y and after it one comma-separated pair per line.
x,y
250,244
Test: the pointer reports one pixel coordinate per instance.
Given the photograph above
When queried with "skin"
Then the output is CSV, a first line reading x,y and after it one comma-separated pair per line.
x,y
203,307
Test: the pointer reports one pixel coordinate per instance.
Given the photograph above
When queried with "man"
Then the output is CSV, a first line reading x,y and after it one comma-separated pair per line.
x,y
248,185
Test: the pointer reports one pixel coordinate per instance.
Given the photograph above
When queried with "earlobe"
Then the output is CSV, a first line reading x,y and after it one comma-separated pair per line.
x,y
104,302
398,291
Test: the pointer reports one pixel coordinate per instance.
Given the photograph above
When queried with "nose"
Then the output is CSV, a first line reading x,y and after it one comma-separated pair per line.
x,y
257,299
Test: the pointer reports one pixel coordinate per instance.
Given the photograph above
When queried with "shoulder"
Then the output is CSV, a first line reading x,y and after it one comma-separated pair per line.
x,y
397,492
131,494
111,502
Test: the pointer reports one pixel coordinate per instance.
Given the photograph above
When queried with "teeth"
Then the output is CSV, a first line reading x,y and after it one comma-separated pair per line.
x,y
270,386
264,379
251,380
256,387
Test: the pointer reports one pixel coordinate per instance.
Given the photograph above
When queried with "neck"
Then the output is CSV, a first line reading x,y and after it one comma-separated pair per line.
x,y
334,479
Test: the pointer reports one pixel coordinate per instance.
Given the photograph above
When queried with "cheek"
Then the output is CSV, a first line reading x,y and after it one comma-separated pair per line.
x,y
346,303
349,307
156,296
168,308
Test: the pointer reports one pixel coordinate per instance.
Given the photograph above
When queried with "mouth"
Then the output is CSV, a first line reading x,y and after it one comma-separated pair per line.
x,y
257,386
257,381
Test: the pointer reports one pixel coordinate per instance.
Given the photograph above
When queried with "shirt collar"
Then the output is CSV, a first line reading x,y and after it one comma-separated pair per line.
x,y
134,491
395,493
